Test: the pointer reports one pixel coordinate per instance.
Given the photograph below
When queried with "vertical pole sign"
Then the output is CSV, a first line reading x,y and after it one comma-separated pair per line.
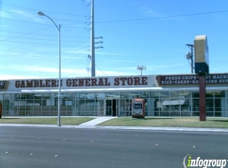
x,y
201,69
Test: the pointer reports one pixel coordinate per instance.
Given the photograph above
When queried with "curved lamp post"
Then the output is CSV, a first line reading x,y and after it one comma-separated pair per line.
x,y
59,86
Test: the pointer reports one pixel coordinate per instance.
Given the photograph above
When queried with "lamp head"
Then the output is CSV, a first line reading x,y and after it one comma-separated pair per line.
x,y
40,13
190,45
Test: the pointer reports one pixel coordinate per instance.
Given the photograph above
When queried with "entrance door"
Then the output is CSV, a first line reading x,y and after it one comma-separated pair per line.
x,y
114,107
108,107
111,107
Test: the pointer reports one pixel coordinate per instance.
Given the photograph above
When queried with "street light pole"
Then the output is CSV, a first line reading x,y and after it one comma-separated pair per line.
x,y
141,68
59,85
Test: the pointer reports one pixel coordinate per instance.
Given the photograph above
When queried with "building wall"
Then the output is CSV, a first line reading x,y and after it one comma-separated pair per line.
x,y
158,103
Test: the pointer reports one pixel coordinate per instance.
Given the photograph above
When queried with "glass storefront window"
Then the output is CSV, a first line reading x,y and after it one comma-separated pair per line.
x,y
144,95
158,103
219,93
210,94
7,104
174,95
155,94
164,94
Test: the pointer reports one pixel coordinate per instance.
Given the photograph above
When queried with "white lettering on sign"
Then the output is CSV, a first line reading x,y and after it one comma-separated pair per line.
x,y
191,79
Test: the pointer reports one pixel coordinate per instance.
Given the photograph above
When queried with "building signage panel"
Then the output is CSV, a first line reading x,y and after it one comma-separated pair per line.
x,y
133,81
4,85
215,79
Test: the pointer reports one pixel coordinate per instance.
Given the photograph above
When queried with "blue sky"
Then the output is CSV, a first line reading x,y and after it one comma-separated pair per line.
x,y
152,33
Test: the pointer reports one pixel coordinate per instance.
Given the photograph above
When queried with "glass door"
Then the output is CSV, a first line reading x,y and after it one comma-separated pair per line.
x,y
112,107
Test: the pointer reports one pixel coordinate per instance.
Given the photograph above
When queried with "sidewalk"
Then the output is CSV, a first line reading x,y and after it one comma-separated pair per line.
x,y
94,125
91,126
96,121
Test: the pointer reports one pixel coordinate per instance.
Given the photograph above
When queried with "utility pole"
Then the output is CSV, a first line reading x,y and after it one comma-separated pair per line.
x,y
92,41
98,42
92,54
189,55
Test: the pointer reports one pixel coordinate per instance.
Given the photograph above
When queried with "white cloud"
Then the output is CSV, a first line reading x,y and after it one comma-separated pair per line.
x,y
113,73
75,51
26,15
12,14
4,14
8,77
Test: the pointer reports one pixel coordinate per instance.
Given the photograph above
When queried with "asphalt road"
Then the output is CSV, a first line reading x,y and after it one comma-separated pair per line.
x,y
40,147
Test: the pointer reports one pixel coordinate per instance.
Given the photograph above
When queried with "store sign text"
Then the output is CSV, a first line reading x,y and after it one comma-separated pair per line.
x,y
191,79
82,82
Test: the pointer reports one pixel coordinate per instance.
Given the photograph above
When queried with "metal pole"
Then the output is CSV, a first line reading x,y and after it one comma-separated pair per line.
x,y
192,59
141,68
202,98
59,87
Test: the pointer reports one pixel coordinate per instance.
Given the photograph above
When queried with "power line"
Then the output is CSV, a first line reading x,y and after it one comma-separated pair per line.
x,y
35,38
76,71
45,24
163,17
123,20
33,9
9,39
101,70
19,41
39,34
27,33
13,38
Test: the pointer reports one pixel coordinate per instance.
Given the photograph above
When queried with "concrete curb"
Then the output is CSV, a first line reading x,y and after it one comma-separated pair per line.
x,y
183,129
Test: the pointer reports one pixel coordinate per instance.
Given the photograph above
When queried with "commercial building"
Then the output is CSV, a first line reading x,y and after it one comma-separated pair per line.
x,y
165,95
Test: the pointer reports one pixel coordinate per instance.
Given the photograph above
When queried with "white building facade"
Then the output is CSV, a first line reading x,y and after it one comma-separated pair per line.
x,y
165,95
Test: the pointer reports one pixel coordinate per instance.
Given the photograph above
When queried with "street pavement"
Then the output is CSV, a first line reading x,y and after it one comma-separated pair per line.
x,y
58,147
